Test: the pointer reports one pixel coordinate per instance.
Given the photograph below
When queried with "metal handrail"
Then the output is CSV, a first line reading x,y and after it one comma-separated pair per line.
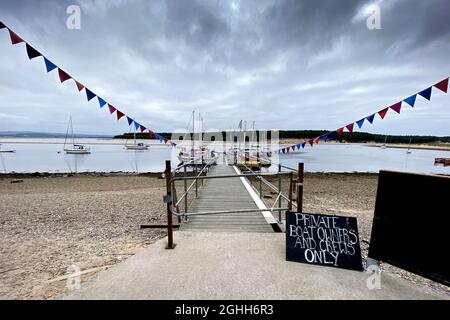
x,y
231,176
271,186
192,184
230,211
199,177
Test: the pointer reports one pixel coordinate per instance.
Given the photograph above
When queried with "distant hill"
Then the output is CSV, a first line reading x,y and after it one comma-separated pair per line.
x,y
33,134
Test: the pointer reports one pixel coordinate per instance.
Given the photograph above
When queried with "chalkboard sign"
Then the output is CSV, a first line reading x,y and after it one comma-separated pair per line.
x,y
323,240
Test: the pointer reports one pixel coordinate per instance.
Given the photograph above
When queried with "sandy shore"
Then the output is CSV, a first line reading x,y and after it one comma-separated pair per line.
x,y
50,223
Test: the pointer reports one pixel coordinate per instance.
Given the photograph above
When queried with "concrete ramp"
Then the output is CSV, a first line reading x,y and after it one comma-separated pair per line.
x,y
222,265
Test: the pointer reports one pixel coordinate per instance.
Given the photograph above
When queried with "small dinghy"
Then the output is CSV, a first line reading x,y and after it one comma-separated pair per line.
x,y
6,150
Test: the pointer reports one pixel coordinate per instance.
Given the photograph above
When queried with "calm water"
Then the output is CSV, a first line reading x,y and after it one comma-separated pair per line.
x,y
110,156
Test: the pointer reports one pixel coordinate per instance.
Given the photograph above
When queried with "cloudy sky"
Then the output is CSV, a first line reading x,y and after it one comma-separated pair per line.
x,y
284,64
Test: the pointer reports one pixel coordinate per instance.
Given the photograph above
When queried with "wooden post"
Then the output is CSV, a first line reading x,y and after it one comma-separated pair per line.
x,y
301,175
169,205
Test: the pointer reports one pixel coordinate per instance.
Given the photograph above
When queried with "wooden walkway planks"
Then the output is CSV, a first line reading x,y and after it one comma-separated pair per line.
x,y
225,194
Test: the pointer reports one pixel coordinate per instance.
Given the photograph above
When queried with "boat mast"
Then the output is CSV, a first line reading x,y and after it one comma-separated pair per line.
x,y
193,133
67,133
71,126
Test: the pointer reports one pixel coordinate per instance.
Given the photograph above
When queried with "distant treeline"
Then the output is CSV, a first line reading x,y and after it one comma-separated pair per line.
x,y
300,135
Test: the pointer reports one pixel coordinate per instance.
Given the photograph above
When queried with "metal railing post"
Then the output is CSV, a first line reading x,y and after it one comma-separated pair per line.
x,y
260,187
169,200
185,189
290,192
196,181
301,175
279,190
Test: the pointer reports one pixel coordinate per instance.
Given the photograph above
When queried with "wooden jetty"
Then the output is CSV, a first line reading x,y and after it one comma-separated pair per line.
x,y
228,194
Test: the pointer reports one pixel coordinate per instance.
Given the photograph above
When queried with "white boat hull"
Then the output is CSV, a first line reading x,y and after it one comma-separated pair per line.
x,y
74,151
136,147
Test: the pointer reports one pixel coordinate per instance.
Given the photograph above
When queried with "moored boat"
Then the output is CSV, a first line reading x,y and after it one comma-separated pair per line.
x,y
6,150
76,148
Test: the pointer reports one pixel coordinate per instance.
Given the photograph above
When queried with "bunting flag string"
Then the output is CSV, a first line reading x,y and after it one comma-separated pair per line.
x,y
411,101
64,76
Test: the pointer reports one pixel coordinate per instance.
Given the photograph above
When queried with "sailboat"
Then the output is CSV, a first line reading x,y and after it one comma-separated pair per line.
x,y
76,148
7,150
409,149
249,155
134,145
200,155
384,145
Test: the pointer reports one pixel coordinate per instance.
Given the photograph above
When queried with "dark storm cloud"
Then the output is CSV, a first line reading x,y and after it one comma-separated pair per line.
x,y
285,64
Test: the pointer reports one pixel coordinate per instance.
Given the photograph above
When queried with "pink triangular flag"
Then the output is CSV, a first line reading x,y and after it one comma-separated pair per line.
x,y
396,107
442,85
350,127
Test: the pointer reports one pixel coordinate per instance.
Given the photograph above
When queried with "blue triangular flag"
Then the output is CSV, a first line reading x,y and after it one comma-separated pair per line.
x,y
360,122
137,125
49,65
370,118
325,137
130,121
304,144
411,100
426,93
89,94
332,135
101,102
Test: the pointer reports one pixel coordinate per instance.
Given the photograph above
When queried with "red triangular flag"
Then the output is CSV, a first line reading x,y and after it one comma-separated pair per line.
x,y
63,76
15,39
151,133
142,128
396,107
443,85
383,112
293,148
311,142
79,85
111,109
119,114
350,127
340,131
